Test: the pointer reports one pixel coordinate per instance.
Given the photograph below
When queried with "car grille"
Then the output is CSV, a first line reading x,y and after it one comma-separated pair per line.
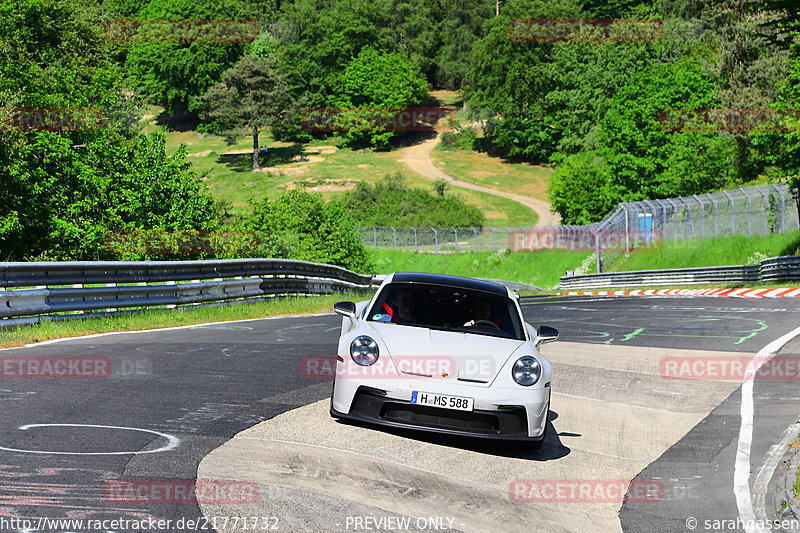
x,y
442,418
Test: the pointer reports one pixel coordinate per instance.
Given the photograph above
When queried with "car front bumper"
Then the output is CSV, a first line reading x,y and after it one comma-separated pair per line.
x,y
497,414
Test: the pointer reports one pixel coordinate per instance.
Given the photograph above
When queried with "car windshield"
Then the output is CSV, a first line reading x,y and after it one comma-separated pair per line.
x,y
448,309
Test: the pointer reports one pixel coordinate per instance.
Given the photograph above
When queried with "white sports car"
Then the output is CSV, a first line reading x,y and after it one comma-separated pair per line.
x,y
443,354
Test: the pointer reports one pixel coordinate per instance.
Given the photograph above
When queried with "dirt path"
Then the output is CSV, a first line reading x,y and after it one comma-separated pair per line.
x,y
418,159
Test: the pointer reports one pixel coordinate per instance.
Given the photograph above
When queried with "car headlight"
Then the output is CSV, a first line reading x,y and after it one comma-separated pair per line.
x,y
364,350
527,370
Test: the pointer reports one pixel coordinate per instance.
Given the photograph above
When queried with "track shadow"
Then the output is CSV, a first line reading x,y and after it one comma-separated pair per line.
x,y
552,448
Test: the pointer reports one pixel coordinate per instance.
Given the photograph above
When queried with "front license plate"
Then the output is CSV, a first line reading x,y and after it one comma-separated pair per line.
x,y
441,400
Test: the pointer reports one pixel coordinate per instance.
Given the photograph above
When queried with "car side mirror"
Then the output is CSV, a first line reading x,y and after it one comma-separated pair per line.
x,y
347,309
545,334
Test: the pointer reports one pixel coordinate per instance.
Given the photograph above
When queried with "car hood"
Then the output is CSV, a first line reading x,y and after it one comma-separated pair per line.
x,y
468,357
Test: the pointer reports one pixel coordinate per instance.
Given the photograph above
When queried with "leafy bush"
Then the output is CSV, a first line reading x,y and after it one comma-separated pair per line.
x,y
463,139
391,202
448,140
579,189
300,225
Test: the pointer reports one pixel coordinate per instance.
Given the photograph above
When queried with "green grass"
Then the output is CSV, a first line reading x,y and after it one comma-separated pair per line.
x,y
543,268
721,251
493,172
329,171
540,268
152,319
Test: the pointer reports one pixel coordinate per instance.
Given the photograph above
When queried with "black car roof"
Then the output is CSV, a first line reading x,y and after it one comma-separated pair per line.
x,y
451,281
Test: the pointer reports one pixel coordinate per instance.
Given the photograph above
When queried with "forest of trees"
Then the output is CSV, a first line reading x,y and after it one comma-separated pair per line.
x,y
589,109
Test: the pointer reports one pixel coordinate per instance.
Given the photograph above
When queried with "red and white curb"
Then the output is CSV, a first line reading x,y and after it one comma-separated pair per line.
x,y
736,293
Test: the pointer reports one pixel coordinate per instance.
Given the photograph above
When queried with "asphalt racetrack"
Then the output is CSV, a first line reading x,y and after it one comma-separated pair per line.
x,y
164,407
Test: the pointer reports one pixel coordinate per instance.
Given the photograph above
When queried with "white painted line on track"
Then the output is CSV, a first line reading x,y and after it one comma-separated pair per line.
x,y
741,472
172,441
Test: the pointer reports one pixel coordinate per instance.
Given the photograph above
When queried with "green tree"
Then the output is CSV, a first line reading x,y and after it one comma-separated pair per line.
x,y
331,34
645,159
781,146
508,81
618,8
579,189
176,75
300,225
410,30
251,95
61,191
748,63
375,82
461,25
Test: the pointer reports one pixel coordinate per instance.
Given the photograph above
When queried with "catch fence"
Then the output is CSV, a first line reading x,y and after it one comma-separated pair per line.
x,y
752,211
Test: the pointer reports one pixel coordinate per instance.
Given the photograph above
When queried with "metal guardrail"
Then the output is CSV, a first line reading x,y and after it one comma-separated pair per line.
x,y
784,268
88,272
61,287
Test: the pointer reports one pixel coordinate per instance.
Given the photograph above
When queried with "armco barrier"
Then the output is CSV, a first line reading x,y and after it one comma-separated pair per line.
x,y
50,287
784,268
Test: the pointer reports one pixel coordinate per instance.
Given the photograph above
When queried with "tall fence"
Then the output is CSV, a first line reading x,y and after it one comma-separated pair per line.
x,y
753,211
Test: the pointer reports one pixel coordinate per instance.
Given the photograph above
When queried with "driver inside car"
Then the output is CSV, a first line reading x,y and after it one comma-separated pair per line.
x,y
481,310
403,310
406,305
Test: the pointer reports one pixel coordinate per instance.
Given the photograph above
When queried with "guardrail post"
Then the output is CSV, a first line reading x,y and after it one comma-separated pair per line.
x,y
415,240
458,247
394,237
476,238
436,240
